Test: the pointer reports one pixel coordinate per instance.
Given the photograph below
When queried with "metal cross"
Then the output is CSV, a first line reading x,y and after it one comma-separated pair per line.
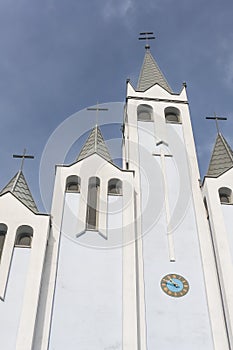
x,y
146,36
23,157
97,109
216,118
171,248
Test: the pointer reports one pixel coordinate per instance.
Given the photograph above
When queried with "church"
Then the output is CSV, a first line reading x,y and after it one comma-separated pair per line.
x,y
138,257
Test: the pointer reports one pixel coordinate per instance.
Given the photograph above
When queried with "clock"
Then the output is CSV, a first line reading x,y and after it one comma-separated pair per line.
x,y
174,285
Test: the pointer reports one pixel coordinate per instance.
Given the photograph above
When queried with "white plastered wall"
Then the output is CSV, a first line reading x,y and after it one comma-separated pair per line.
x,y
220,216
158,98
29,260
92,166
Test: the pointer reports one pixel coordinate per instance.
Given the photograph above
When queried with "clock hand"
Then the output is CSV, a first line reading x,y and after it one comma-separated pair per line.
x,y
173,283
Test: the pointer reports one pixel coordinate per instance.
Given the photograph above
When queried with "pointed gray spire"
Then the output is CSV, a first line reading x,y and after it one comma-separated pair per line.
x,y
221,159
151,74
19,187
95,144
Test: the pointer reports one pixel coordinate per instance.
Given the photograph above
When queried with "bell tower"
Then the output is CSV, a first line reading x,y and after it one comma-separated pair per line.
x,y
179,301
217,194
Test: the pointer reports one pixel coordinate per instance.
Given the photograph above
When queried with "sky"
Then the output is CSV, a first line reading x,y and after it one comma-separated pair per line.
x,y
58,57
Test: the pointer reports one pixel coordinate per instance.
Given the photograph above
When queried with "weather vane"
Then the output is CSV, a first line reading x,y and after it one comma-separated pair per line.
x,y
146,36
23,157
216,118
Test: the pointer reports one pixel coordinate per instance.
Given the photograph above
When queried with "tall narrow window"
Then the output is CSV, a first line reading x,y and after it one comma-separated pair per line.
x,y
225,195
172,115
145,113
115,187
92,203
3,231
24,235
73,183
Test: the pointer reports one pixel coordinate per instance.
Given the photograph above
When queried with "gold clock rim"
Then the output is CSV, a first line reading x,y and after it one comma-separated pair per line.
x,y
182,293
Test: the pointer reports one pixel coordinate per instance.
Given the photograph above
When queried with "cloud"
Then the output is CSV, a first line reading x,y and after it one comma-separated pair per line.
x,y
114,9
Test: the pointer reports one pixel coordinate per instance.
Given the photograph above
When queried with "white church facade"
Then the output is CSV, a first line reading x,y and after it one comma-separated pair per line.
x,y
131,258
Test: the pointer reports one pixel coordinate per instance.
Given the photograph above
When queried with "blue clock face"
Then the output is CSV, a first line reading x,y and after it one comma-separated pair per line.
x,y
174,285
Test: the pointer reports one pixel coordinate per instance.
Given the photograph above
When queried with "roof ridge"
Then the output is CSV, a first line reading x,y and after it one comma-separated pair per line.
x,y
16,180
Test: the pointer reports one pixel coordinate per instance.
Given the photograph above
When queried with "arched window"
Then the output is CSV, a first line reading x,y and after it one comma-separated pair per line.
x,y
73,183
3,231
92,203
24,235
145,113
172,115
115,187
225,195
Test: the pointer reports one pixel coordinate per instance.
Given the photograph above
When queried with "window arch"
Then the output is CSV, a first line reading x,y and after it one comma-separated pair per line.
x,y
92,203
115,187
172,115
73,183
24,235
144,113
3,231
225,195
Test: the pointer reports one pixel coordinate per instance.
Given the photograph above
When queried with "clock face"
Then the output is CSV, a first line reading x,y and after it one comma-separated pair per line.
x,y
174,285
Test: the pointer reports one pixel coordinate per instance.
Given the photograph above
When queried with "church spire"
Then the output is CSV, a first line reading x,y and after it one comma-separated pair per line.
x,y
151,74
19,187
222,157
18,184
95,144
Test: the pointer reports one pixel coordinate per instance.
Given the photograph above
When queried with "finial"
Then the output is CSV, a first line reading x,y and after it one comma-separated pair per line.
x,y
23,157
146,36
216,118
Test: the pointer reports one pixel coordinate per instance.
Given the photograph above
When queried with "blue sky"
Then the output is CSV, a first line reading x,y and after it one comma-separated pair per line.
x,y
60,56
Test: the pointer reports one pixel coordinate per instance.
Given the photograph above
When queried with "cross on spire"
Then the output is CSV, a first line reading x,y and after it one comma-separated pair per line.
x,y
23,157
97,109
216,118
146,36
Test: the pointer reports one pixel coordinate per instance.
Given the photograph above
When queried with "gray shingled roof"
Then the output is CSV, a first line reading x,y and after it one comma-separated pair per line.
x,y
95,144
151,74
18,186
221,159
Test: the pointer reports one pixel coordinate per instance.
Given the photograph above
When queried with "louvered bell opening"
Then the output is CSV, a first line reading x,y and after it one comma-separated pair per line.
x,y
225,195
145,113
3,231
73,184
24,240
172,115
72,187
24,236
115,187
224,198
